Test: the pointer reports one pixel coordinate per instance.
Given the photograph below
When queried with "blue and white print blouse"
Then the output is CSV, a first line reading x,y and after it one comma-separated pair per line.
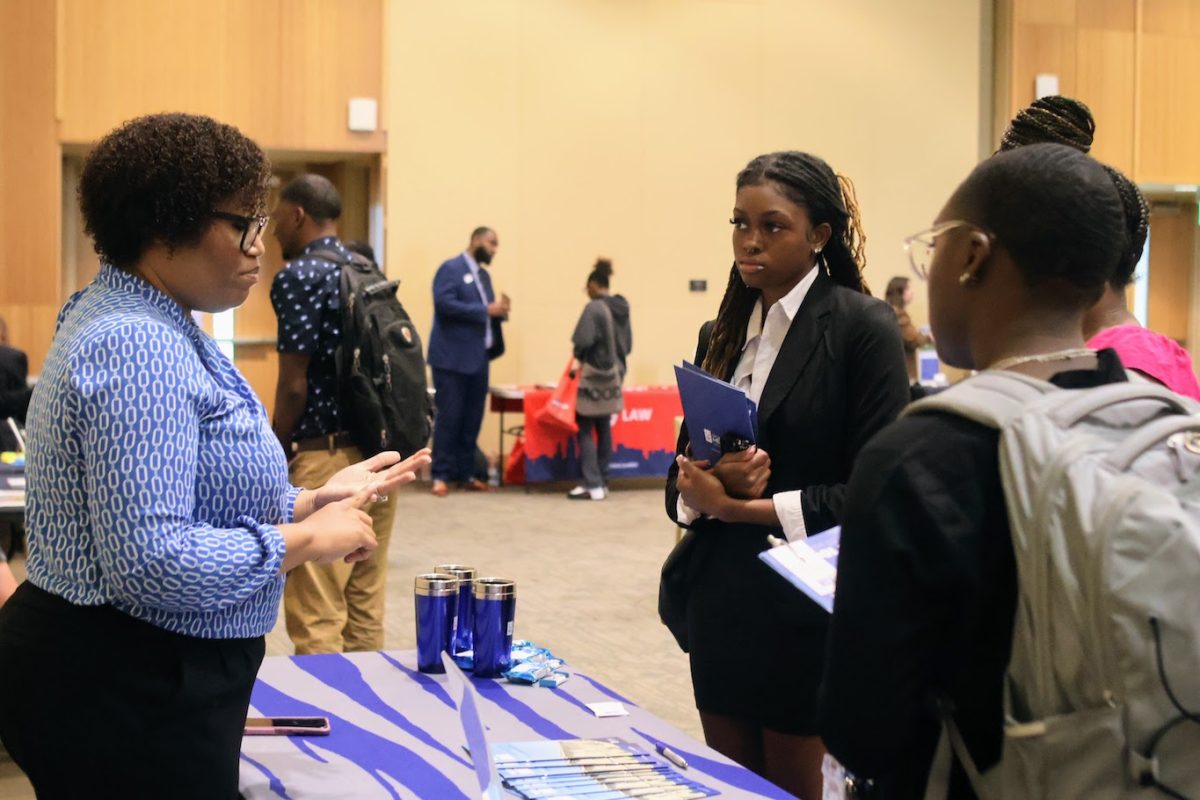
x,y
154,481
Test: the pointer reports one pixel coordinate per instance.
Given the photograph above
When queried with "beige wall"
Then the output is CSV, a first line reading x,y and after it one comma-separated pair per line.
x,y
597,127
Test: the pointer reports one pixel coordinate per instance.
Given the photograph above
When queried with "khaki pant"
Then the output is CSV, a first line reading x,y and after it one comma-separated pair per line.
x,y
331,608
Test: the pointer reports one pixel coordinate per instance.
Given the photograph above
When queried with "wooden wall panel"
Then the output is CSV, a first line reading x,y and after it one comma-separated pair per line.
x,y
30,164
1039,48
1047,12
1171,17
1169,109
1172,254
278,69
1105,80
331,50
1115,15
1090,46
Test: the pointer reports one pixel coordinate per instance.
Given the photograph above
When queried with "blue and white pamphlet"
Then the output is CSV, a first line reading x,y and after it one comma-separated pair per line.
x,y
714,408
809,564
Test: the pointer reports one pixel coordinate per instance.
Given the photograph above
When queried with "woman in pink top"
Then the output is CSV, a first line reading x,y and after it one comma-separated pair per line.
x,y
1109,323
1156,357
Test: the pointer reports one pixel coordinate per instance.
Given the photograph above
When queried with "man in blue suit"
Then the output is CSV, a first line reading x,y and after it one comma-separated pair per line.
x,y
466,336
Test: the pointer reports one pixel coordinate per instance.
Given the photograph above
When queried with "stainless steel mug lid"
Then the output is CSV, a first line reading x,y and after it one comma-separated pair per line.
x,y
457,570
494,589
436,584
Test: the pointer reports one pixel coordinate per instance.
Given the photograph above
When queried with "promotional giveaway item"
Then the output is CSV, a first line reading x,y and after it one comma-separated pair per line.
x,y
436,597
535,666
560,411
495,610
466,608
608,769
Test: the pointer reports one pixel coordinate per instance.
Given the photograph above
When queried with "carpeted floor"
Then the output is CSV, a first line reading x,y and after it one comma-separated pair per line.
x,y
586,576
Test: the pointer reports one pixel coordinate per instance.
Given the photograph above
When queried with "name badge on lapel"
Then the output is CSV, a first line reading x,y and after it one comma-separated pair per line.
x,y
468,278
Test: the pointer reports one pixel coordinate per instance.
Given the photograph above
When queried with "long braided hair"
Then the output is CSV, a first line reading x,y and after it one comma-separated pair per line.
x,y
830,199
1064,120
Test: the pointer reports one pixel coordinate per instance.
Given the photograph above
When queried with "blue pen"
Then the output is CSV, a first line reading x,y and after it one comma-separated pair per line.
x,y
671,755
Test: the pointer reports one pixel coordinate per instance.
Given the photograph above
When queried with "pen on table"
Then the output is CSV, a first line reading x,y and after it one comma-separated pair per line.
x,y
775,541
671,755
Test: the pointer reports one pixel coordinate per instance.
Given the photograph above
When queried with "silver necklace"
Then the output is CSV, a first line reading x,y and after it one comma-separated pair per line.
x,y
1042,358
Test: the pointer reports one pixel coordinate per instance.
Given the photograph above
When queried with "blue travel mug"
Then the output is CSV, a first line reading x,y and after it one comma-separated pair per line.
x,y
437,610
495,609
466,608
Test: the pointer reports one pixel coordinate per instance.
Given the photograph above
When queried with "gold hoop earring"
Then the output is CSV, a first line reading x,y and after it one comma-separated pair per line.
x,y
966,278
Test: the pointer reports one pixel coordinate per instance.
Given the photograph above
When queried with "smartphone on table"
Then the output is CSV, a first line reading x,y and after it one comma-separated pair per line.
x,y
287,726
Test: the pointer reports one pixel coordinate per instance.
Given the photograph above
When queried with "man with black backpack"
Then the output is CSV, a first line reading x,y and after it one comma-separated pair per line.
x,y
351,384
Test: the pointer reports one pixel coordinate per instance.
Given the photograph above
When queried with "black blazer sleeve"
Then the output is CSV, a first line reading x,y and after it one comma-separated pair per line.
x,y
682,443
14,393
877,391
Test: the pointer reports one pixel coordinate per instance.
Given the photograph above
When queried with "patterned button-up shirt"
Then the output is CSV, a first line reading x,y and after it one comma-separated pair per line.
x,y
306,295
155,483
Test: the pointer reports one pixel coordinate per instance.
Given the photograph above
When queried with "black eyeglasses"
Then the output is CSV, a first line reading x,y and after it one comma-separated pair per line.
x,y
251,227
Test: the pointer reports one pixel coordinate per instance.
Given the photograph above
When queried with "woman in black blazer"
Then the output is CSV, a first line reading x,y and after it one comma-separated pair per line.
x,y
799,331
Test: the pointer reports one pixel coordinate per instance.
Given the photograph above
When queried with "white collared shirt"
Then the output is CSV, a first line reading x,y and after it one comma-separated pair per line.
x,y
763,342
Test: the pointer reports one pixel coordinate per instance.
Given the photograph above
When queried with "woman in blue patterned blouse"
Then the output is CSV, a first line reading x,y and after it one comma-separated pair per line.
x,y
160,518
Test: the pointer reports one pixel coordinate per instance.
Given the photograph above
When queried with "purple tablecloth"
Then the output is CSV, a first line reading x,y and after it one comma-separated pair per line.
x,y
396,733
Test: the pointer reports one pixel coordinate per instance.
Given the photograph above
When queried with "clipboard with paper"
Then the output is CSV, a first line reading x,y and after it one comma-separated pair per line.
x,y
809,564
714,408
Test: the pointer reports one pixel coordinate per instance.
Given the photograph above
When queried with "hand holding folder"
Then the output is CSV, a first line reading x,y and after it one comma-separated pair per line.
x,y
714,409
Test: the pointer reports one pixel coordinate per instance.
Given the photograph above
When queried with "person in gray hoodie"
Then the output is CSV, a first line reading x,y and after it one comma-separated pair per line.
x,y
602,340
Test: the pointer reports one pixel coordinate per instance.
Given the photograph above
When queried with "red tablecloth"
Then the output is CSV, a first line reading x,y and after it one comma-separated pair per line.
x,y
643,437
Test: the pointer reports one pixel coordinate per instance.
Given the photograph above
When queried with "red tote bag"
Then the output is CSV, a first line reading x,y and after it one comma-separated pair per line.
x,y
514,466
559,411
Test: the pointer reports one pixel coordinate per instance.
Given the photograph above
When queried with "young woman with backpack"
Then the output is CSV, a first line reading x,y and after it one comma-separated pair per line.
x,y
927,591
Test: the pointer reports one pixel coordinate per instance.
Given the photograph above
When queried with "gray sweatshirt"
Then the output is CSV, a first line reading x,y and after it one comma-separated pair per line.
x,y
591,335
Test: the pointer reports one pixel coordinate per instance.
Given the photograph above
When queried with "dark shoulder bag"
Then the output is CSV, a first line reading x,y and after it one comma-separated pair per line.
x,y
675,582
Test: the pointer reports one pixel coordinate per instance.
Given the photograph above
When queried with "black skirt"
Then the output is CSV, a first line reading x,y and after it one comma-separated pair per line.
x,y
756,643
100,704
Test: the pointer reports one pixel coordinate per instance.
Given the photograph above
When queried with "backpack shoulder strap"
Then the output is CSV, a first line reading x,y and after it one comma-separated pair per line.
x,y
991,398
334,257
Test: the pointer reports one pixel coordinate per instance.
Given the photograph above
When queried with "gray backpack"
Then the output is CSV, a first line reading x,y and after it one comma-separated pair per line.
x,y
1102,486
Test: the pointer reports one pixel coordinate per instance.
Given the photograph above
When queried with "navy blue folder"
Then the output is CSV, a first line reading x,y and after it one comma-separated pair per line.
x,y
713,408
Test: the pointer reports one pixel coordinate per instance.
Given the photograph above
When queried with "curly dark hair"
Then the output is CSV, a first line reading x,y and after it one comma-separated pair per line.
x,y
601,273
158,178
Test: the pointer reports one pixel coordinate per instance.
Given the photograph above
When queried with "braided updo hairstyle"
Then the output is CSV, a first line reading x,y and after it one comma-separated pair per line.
x,y
829,199
1064,120
1051,120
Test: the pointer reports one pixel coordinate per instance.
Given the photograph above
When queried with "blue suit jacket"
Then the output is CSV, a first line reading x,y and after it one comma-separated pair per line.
x,y
460,319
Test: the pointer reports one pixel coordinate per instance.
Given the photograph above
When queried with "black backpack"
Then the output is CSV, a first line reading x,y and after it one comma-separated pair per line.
x,y
381,364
